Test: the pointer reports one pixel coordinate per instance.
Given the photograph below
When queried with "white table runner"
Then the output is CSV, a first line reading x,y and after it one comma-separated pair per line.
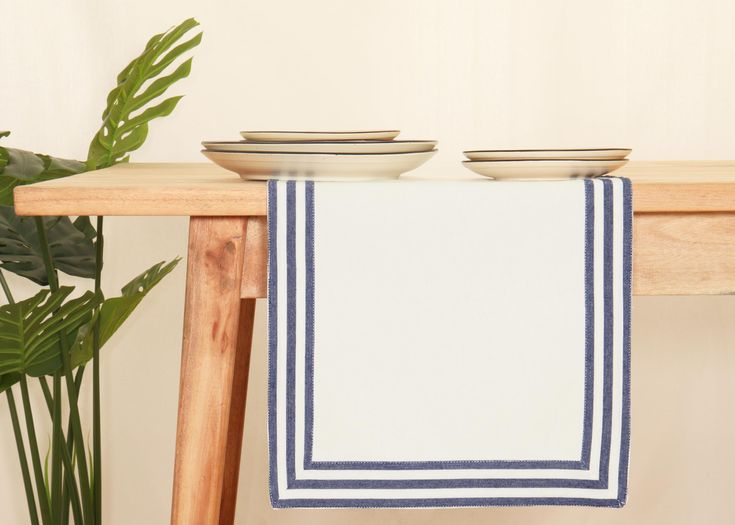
x,y
449,343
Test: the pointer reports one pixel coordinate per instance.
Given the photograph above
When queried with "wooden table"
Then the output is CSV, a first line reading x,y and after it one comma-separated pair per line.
x,y
684,243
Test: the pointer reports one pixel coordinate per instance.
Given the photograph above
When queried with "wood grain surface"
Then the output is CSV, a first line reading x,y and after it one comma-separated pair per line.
x,y
237,413
684,253
206,189
209,351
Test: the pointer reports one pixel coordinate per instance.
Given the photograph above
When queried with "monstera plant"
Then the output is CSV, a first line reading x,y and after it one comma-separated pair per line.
x,y
49,339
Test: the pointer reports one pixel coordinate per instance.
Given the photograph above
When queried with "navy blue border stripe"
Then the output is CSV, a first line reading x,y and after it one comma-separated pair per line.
x,y
608,327
602,480
627,293
589,322
434,465
445,483
309,342
290,325
466,464
459,464
272,337
444,502
453,502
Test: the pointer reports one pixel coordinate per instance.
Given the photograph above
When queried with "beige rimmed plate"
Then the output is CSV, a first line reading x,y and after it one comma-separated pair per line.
x,y
543,169
556,154
368,146
310,136
319,166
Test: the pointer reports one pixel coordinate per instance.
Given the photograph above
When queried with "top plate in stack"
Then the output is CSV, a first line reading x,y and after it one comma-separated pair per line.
x,y
546,164
320,155
310,136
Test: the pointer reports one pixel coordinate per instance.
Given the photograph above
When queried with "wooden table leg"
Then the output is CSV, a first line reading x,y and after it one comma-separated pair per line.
x,y
211,325
254,275
237,412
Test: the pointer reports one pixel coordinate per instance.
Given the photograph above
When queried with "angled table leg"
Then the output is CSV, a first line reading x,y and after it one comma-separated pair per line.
x,y
253,286
211,326
237,413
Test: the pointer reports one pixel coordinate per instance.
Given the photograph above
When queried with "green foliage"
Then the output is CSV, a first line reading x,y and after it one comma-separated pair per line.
x,y
23,165
72,250
8,380
7,185
51,334
84,225
115,310
31,331
18,167
144,282
20,250
128,112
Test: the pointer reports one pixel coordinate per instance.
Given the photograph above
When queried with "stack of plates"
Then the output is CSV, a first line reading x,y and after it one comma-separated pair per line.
x,y
320,155
546,164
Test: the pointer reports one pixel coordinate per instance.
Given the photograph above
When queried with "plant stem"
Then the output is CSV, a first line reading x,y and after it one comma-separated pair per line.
x,y
53,279
35,456
6,288
56,444
78,377
69,481
17,432
71,390
70,492
47,394
97,423
22,457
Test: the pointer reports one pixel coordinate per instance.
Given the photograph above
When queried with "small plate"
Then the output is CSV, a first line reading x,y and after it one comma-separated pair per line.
x,y
319,166
310,136
560,154
367,146
543,169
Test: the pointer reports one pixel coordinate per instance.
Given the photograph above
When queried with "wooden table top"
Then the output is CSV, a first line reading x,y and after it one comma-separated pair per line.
x,y
196,189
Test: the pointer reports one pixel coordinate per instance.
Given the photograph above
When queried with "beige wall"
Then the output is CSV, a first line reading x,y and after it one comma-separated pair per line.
x,y
655,75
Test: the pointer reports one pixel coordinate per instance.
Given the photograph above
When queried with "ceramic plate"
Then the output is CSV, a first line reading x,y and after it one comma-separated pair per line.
x,y
543,169
319,166
307,136
566,154
367,146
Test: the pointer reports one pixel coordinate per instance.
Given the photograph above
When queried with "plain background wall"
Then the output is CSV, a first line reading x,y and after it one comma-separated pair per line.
x,y
654,75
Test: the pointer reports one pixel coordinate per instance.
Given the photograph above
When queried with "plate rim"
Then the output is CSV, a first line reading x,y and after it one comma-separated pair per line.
x,y
555,161
313,153
340,142
311,132
543,150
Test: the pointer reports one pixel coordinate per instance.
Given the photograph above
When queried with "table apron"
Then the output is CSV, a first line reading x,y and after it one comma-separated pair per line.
x,y
673,254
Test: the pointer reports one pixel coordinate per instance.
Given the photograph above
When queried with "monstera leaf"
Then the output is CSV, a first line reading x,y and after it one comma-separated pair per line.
x,y
23,165
18,167
3,152
128,112
31,331
56,168
7,184
29,167
84,225
116,310
72,250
